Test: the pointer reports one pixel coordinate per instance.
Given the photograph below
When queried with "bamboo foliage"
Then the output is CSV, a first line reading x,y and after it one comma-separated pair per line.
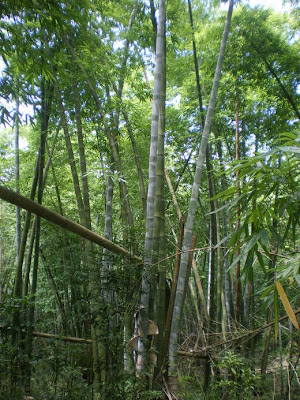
x,y
119,149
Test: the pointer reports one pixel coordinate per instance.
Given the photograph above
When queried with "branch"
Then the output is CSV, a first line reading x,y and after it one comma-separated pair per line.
x,y
206,350
52,336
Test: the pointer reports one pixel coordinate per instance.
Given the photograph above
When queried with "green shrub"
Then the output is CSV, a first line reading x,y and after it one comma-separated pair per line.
x,y
235,379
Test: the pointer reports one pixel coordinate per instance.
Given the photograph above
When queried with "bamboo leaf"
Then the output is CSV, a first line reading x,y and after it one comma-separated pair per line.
x,y
251,243
290,149
219,209
261,261
287,135
225,194
225,239
265,249
266,292
235,237
275,234
264,237
286,304
249,262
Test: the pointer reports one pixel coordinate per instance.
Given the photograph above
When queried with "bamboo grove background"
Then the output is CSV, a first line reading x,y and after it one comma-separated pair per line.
x,y
149,211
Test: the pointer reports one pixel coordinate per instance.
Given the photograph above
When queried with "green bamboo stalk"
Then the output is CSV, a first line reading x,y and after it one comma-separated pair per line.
x,y
192,209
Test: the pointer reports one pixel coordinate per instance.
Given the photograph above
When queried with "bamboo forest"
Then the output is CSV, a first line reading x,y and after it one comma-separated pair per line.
x,y
149,200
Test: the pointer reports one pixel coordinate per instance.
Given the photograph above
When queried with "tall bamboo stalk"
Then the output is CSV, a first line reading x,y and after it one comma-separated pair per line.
x,y
227,280
99,348
137,162
46,98
17,175
192,209
211,187
126,208
159,217
174,287
238,294
148,246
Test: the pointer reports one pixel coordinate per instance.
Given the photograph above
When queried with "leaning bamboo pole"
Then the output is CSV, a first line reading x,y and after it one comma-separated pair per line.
x,y
57,219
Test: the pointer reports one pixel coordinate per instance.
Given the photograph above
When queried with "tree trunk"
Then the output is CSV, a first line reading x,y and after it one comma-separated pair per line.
x,y
154,23
192,210
159,218
238,291
148,247
211,303
126,208
137,162
219,318
82,159
99,355
18,277
17,176
1,264
173,287
123,69
210,180
45,114
98,340
227,280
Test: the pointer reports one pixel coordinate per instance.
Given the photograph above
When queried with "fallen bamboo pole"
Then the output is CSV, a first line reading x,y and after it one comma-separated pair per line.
x,y
200,353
